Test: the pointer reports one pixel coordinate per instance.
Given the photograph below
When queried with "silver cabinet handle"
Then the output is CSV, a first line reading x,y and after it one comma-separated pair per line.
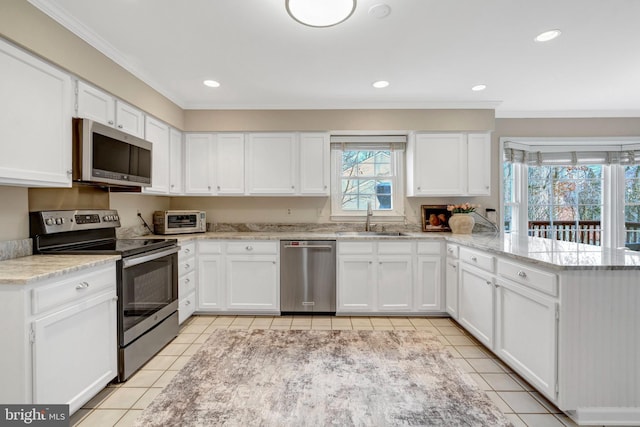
x,y
187,265
188,302
82,285
450,250
209,187
119,126
249,248
489,283
522,274
110,122
474,259
187,280
187,250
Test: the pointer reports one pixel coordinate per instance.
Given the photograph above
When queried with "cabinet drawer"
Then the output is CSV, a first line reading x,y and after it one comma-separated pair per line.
x,y
252,247
187,250
429,248
209,247
391,248
186,307
355,247
453,250
186,266
186,284
478,259
532,277
73,287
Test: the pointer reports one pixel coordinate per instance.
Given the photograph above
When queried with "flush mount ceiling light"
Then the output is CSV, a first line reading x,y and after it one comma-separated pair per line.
x,y
478,88
380,84
547,35
211,83
320,13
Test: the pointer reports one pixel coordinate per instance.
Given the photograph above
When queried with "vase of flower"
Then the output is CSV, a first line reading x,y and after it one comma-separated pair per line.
x,y
461,221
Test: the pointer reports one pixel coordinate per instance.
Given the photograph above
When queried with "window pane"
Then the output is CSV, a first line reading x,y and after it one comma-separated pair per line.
x,y
365,179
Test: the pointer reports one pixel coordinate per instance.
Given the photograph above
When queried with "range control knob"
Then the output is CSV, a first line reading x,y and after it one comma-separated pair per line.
x,y
49,221
115,218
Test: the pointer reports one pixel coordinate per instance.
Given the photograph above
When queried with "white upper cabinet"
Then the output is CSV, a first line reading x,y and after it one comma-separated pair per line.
x,y
35,121
272,163
229,163
199,158
176,176
314,164
101,107
448,164
158,134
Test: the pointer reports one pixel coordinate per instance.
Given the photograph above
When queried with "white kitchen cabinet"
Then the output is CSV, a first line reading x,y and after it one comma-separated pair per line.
x,y
448,164
272,162
186,281
451,280
211,282
527,333
62,333
428,284
35,121
476,300
94,104
158,134
176,161
375,276
229,168
199,156
314,164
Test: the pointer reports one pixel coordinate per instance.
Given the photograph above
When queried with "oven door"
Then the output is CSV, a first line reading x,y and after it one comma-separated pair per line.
x,y
148,292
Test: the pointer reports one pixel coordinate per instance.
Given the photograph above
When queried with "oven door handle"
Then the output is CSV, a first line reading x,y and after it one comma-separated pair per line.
x,y
130,262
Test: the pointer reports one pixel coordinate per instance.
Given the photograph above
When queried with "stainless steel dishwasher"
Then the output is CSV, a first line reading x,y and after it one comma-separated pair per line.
x,y
308,276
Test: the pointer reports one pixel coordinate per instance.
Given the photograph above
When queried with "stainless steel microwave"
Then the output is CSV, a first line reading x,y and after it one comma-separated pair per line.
x,y
104,155
179,222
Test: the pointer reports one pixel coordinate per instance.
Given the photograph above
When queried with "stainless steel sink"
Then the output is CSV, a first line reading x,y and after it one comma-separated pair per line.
x,y
370,233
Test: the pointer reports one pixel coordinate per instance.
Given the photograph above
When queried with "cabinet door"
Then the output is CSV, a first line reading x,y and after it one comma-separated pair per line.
x,y
210,290
476,303
129,119
229,160
75,352
35,121
253,283
526,334
451,280
428,283
314,164
158,134
355,283
186,307
176,181
394,282
96,105
198,149
272,163
479,165
439,165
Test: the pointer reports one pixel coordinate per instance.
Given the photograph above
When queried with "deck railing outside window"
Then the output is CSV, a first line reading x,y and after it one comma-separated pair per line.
x,y
588,232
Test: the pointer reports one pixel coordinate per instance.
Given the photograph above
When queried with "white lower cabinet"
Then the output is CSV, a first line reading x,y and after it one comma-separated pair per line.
x,y
62,334
388,276
476,303
451,280
526,334
186,281
238,276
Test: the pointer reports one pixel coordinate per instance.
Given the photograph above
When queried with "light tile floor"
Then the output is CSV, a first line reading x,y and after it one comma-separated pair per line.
x,y
120,404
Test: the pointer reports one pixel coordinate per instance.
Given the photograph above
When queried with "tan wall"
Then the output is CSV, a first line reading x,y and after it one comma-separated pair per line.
x,y
129,204
25,25
327,120
14,208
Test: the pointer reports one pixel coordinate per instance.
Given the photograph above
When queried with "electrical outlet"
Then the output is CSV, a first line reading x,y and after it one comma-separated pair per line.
x,y
288,211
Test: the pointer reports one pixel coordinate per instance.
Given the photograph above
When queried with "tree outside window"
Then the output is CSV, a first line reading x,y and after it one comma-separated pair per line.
x,y
366,179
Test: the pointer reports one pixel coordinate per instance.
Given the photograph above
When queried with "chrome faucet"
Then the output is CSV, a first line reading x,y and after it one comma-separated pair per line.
x,y
367,224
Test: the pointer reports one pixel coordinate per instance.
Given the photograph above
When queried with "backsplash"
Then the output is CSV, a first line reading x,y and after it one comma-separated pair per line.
x,y
10,249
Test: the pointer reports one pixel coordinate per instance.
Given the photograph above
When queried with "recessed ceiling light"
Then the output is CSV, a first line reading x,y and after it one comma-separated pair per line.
x,y
320,13
478,88
211,83
547,35
380,10
380,84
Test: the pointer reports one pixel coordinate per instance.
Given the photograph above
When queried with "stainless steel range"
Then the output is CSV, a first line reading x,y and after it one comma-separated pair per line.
x,y
147,277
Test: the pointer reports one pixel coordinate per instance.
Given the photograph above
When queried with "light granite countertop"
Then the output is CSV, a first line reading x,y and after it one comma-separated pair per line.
x,y
548,253
28,269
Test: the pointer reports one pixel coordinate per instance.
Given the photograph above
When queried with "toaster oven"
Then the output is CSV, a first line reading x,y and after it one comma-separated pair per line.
x,y
179,222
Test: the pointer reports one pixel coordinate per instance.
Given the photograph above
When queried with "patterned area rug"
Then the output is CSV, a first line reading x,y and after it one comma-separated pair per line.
x,y
319,378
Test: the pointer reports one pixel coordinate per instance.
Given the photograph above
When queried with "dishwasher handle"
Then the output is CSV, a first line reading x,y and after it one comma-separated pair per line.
x,y
308,246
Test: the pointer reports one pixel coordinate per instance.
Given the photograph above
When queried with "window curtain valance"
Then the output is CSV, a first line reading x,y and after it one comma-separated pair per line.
x,y
369,142
558,155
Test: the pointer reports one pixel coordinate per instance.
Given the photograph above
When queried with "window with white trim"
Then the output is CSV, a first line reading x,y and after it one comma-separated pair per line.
x,y
367,171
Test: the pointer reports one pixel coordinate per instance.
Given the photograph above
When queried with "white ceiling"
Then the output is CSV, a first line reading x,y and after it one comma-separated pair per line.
x,y
432,52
